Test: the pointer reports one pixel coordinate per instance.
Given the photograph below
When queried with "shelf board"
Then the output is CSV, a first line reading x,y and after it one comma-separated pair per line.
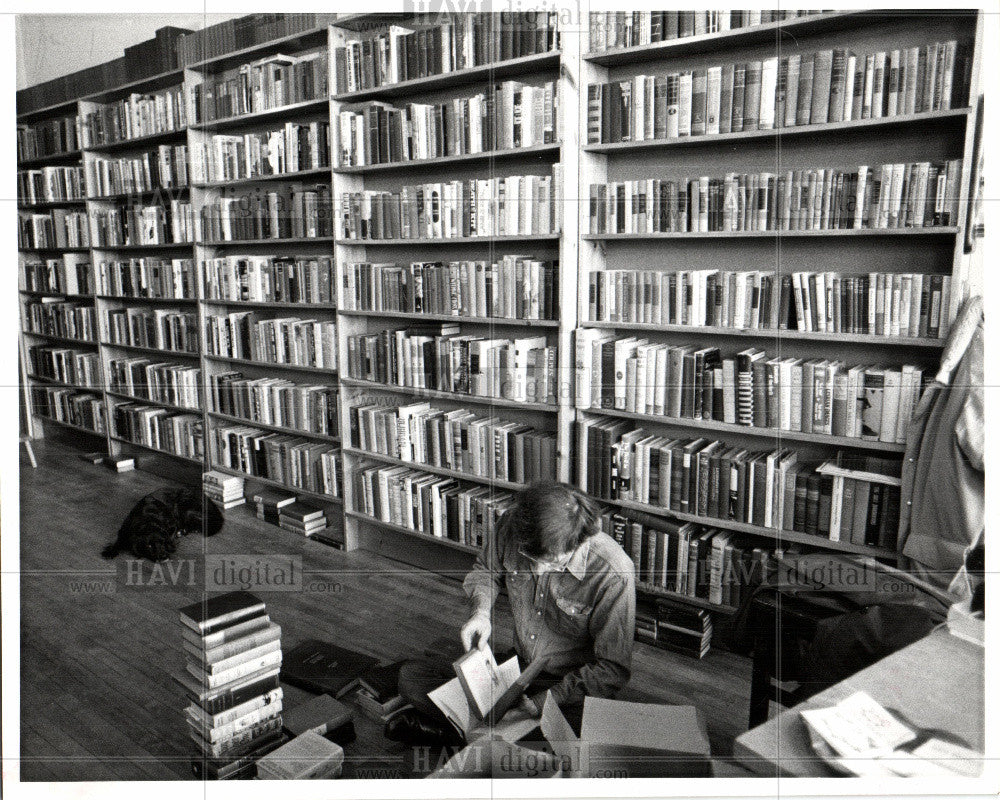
x,y
923,118
754,530
770,333
51,159
498,321
144,401
320,437
71,426
698,602
63,384
54,249
465,548
63,295
246,242
325,371
485,73
61,109
132,248
317,496
149,300
535,237
447,473
774,434
162,193
304,107
49,204
158,351
157,450
301,40
303,174
150,83
458,398
330,307
467,158
137,142
941,230
62,339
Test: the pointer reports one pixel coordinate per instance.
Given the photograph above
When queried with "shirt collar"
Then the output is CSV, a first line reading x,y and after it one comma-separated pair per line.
x,y
577,565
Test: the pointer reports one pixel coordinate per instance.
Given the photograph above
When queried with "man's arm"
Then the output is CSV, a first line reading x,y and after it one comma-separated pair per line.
x,y
482,585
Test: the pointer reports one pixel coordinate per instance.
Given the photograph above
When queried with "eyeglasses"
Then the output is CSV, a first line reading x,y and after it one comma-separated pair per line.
x,y
559,563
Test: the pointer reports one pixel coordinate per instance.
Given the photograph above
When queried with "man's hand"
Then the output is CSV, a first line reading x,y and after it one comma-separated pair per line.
x,y
476,632
528,706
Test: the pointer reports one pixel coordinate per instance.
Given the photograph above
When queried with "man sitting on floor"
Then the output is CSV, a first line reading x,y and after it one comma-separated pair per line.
x,y
572,594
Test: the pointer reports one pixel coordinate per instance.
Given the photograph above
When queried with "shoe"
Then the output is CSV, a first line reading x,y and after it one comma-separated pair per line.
x,y
415,728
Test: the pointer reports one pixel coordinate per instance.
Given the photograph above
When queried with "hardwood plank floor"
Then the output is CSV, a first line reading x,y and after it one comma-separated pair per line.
x,y
100,639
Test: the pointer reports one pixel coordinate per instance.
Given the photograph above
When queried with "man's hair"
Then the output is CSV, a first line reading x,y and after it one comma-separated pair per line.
x,y
549,519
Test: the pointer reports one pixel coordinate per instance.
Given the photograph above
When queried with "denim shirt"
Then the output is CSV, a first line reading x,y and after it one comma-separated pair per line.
x,y
582,617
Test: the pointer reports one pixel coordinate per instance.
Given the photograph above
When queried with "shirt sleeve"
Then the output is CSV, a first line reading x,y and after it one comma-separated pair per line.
x,y
612,626
482,584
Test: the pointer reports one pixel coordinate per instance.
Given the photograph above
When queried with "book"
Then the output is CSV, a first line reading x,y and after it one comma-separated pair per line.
x,y
307,756
322,714
215,613
324,668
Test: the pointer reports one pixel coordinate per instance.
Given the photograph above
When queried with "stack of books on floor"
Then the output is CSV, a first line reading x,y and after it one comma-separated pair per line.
x,y
233,653
377,692
226,490
302,518
269,503
683,629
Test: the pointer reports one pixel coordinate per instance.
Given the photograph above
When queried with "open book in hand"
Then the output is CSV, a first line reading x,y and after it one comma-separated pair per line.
x,y
481,699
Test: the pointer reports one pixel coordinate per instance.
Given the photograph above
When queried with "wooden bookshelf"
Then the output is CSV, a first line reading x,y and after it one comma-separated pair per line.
x,y
443,471
319,437
434,394
162,404
466,158
940,230
500,322
159,451
299,175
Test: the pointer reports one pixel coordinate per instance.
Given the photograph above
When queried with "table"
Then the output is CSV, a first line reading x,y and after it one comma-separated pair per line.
x,y
937,682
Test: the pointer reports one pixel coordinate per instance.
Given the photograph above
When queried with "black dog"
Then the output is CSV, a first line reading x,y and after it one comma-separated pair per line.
x,y
159,519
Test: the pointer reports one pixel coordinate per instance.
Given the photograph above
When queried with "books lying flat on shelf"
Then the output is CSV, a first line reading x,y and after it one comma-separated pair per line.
x,y
688,630
307,756
302,518
224,489
270,502
324,668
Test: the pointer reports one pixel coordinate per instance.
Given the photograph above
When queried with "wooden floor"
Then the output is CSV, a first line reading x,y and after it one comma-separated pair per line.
x,y
98,645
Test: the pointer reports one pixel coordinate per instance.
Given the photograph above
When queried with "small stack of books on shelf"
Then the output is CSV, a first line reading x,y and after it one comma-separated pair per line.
x,y
226,490
233,653
302,518
683,629
270,502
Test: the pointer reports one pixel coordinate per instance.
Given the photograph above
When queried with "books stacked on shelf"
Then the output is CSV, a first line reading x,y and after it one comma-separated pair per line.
x,y
159,429
801,89
292,148
793,394
437,356
513,115
152,224
888,196
159,328
289,460
274,401
518,205
78,367
286,340
56,229
233,658
120,463
50,137
271,279
167,168
242,32
50,185
286,212
706,478
458,439
645,625
302,518
225,489
67,405
158,278
877,303
69,274
269,502
429,504
51,316
159,381
515,287
136,116
689,630
613,29
271,82
466,40
309,756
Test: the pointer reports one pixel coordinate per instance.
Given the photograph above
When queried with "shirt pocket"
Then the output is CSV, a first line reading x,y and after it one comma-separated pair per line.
x,y
568,616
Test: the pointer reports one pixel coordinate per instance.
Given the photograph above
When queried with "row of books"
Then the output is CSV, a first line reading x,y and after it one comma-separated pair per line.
x,y
70,274
511,116
158,381
49,137
429,504
289,149
136,116
910,195
166,168
801,89
515,287
270,279
878,303
160,429
79,367
292,461
275,401
438,357
57,229
53,317
516,205
286,340
152,224
240,33
272,82
465,40
613,29
147,277
675,626
301,212
82,409
161,329
50,185
458,440
792,394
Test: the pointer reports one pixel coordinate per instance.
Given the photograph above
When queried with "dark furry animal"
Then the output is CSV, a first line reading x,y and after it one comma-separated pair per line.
x,y
156,523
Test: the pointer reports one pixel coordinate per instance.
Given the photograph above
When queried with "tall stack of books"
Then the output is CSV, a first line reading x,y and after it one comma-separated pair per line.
x,y
233,653
302,518
683,629
226,490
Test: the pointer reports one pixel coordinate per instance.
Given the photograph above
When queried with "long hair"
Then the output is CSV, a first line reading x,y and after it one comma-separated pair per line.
x,y
549,518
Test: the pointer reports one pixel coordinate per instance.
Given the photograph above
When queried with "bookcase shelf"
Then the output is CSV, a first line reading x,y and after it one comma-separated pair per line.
x,y
153,301
465,548
47,205
60,295
63,339
63,384
54,249
292,109
159,403
270,304
141,248
940,230
51,159
157,450
422,467
295,240
467,158
249,362
454,240
158,351
301,40
319,437
438,395
317,496
139,142
164,192
300,175
71,426
651,590
419,317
